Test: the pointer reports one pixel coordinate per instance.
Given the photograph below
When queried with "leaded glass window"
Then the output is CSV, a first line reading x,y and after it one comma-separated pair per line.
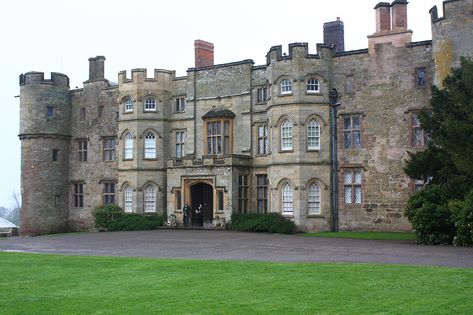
x,y
352,132
352,181
128,199
263,140
149,199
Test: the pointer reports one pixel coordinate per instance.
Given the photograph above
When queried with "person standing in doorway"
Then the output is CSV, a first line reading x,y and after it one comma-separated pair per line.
x,y
186,210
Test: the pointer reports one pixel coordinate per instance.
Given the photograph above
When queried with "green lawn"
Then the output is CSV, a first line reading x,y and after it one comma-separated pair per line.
x,y
50,284
365,235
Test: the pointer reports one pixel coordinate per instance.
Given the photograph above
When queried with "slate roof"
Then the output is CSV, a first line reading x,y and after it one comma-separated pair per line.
x,y
219,113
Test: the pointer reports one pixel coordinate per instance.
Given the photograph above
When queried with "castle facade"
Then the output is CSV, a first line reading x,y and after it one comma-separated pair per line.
x,y
319,138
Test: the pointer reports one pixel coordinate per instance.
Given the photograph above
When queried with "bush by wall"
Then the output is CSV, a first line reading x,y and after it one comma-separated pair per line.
x,y
430,216
462,216
268,222
112,218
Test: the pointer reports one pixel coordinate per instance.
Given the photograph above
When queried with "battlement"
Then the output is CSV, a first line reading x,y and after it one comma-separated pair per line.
x,y
141,75
295,49
451,8
35,78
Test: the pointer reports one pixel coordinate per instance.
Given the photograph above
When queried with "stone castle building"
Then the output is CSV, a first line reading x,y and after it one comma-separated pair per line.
x,y
319,138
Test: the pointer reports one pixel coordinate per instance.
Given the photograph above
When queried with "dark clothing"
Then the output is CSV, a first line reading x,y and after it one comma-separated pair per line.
x,y
186,210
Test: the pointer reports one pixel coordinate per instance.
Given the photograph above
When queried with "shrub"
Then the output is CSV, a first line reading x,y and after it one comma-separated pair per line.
x,y
431,219
112,218
105,215
268,222
462,214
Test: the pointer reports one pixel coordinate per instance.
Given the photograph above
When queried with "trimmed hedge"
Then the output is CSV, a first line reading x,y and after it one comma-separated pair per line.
x,y
462,215
268,222
112,218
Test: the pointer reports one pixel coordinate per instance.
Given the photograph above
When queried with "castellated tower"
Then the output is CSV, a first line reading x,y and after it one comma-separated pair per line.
x,y
44,135
452,37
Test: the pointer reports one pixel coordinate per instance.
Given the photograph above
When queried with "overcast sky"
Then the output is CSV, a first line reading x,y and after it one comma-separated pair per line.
x,y
50,35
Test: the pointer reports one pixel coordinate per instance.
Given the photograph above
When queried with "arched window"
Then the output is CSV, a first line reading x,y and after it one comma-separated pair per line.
x,y
313,201
150,146
286,135
286,87
313,135
128,146
128,199
150,104
128,105
150,199
313,86
287,199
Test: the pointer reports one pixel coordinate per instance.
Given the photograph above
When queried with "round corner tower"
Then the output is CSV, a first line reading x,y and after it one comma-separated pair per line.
x,y
44,134
452,37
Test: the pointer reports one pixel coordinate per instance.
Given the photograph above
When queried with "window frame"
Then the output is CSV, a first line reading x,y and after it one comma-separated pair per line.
x,y
285,87
352,186
50,112
109,153
128,105
316,136
262,95
109,192
313,86
56,155
262,140
78,195
149,199
226,141
351,131
128,199
180,142
150,104
286,138
287,199
314,199
243,193
180,104
82,150
128,146
150,151
414,126
261,193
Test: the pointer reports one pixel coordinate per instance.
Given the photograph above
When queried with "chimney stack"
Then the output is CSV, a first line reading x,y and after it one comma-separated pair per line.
x,y
334,34
97,68
399,14
383,17
204,53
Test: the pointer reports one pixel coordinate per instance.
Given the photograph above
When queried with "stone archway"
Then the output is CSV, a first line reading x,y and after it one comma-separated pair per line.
x,y
201,194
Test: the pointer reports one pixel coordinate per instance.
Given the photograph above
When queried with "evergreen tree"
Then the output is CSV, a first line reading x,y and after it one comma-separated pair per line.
x,y
447,163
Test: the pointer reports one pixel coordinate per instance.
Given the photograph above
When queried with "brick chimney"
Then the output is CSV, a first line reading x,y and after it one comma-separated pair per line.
x,y
204,53
399,14
383,17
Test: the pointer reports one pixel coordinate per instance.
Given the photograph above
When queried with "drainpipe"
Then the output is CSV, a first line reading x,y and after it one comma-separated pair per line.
x,y
333,95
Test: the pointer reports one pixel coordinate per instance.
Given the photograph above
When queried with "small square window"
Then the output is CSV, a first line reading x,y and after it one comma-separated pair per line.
x,y
150,104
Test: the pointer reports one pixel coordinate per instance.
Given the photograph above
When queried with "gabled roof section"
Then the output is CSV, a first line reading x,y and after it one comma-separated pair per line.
x,y
219,113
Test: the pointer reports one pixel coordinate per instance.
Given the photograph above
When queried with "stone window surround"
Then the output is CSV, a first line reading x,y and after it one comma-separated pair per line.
x,y
313,82
105,148
150,148
280,129
265,138
287,198
82,149
285,87
317,124
77,193
340,129
150,198
243,193
222,135
309,185
264,189
128,199
428,78
128,146
412,126
109,197
128,102
341,185
148,101
262,94
180,104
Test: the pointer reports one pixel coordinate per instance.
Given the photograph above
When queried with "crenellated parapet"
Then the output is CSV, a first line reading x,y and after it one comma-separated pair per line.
x,y
36,78
296,50
140,75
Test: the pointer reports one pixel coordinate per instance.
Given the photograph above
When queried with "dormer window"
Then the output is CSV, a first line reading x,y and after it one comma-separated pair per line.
x,y
128,105
313,86
286,86
150,104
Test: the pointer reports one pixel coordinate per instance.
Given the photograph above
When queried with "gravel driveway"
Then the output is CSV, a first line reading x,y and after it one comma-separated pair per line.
x,y
228,245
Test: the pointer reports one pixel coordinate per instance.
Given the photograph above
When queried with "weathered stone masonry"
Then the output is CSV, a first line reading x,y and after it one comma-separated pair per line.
x,y
241,137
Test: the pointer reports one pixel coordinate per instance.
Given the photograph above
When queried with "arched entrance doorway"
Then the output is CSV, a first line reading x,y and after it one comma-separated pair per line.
x,y
202,194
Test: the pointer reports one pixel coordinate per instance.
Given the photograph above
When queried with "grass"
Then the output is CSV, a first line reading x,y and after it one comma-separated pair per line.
x,y
52,284
400,236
